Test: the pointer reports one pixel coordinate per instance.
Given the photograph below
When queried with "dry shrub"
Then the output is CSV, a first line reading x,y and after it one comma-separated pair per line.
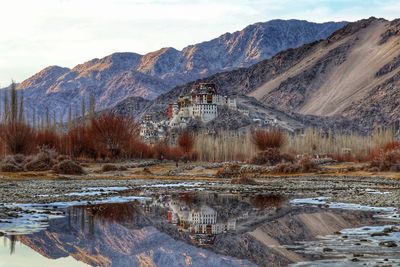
x,y
386,161
286,167
113,134
175,153
78,143
15,159
186,142
109,168
9,167
122,168
68,167
244,180
43,161
20,158
146,170
229,171
267,139
271,157
344,157
63,157
307,164
385,157
304,165
138,149
163,151
390,146
48,138
17,137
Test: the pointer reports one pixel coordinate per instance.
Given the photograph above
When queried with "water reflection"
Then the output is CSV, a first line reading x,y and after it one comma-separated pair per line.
x,y
10,241
176,230
193,229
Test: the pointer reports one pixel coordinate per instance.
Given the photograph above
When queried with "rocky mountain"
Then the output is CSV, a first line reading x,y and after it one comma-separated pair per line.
x,y
123,75
351,79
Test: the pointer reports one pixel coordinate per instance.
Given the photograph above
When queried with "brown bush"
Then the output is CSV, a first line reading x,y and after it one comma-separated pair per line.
x,y
270,156
386,161
390,146
78,143
186,143
15,159
229,171
113,134
63,157
138,149
286,167
48,138
17,137
43,161
163,151
307,164
244,180
109,168
343,157
68,167
19,158
265,139
146,170
9,167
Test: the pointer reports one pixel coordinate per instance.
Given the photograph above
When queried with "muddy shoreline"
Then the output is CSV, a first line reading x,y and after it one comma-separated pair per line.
x,y
362,190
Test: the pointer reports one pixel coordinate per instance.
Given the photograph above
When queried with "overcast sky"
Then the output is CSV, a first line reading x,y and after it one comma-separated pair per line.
x,y
38,33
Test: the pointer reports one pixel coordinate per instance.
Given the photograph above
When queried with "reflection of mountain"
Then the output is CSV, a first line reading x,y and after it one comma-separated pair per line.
x,y
139,235
118,235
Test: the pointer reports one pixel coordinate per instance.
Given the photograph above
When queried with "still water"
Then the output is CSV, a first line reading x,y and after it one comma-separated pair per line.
x,y
197,229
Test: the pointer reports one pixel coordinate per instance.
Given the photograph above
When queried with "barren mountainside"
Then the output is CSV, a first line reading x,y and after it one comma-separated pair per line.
x,y
353,75
122,75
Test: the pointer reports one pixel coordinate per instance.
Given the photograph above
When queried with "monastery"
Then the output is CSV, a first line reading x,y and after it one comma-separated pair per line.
x,y
201,103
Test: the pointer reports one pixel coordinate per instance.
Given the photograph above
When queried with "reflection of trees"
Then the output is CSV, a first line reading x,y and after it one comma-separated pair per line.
x,y
187,198
267,201
13,240
84,218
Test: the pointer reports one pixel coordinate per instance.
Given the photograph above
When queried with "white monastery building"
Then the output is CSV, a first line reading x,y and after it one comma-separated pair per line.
x,y
202,103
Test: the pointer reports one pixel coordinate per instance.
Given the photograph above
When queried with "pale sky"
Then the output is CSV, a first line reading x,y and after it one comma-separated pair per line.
x,y
38,33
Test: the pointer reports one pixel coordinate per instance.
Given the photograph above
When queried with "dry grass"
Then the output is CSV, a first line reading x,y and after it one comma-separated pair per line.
x,y
266,139
231,146
224,146
315,142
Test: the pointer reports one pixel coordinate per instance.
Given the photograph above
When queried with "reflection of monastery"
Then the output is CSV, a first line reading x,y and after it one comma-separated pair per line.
x,y
199,220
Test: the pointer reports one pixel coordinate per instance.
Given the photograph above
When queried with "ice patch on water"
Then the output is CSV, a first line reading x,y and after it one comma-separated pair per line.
x,y
338,205
367,230
182,184
309,201
350,206
96,191
376,192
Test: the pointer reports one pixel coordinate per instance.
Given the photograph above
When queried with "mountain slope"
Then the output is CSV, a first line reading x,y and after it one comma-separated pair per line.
x,y
122,75
353,74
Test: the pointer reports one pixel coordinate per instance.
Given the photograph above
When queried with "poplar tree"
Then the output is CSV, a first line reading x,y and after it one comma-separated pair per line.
x,y
14,103
21,109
